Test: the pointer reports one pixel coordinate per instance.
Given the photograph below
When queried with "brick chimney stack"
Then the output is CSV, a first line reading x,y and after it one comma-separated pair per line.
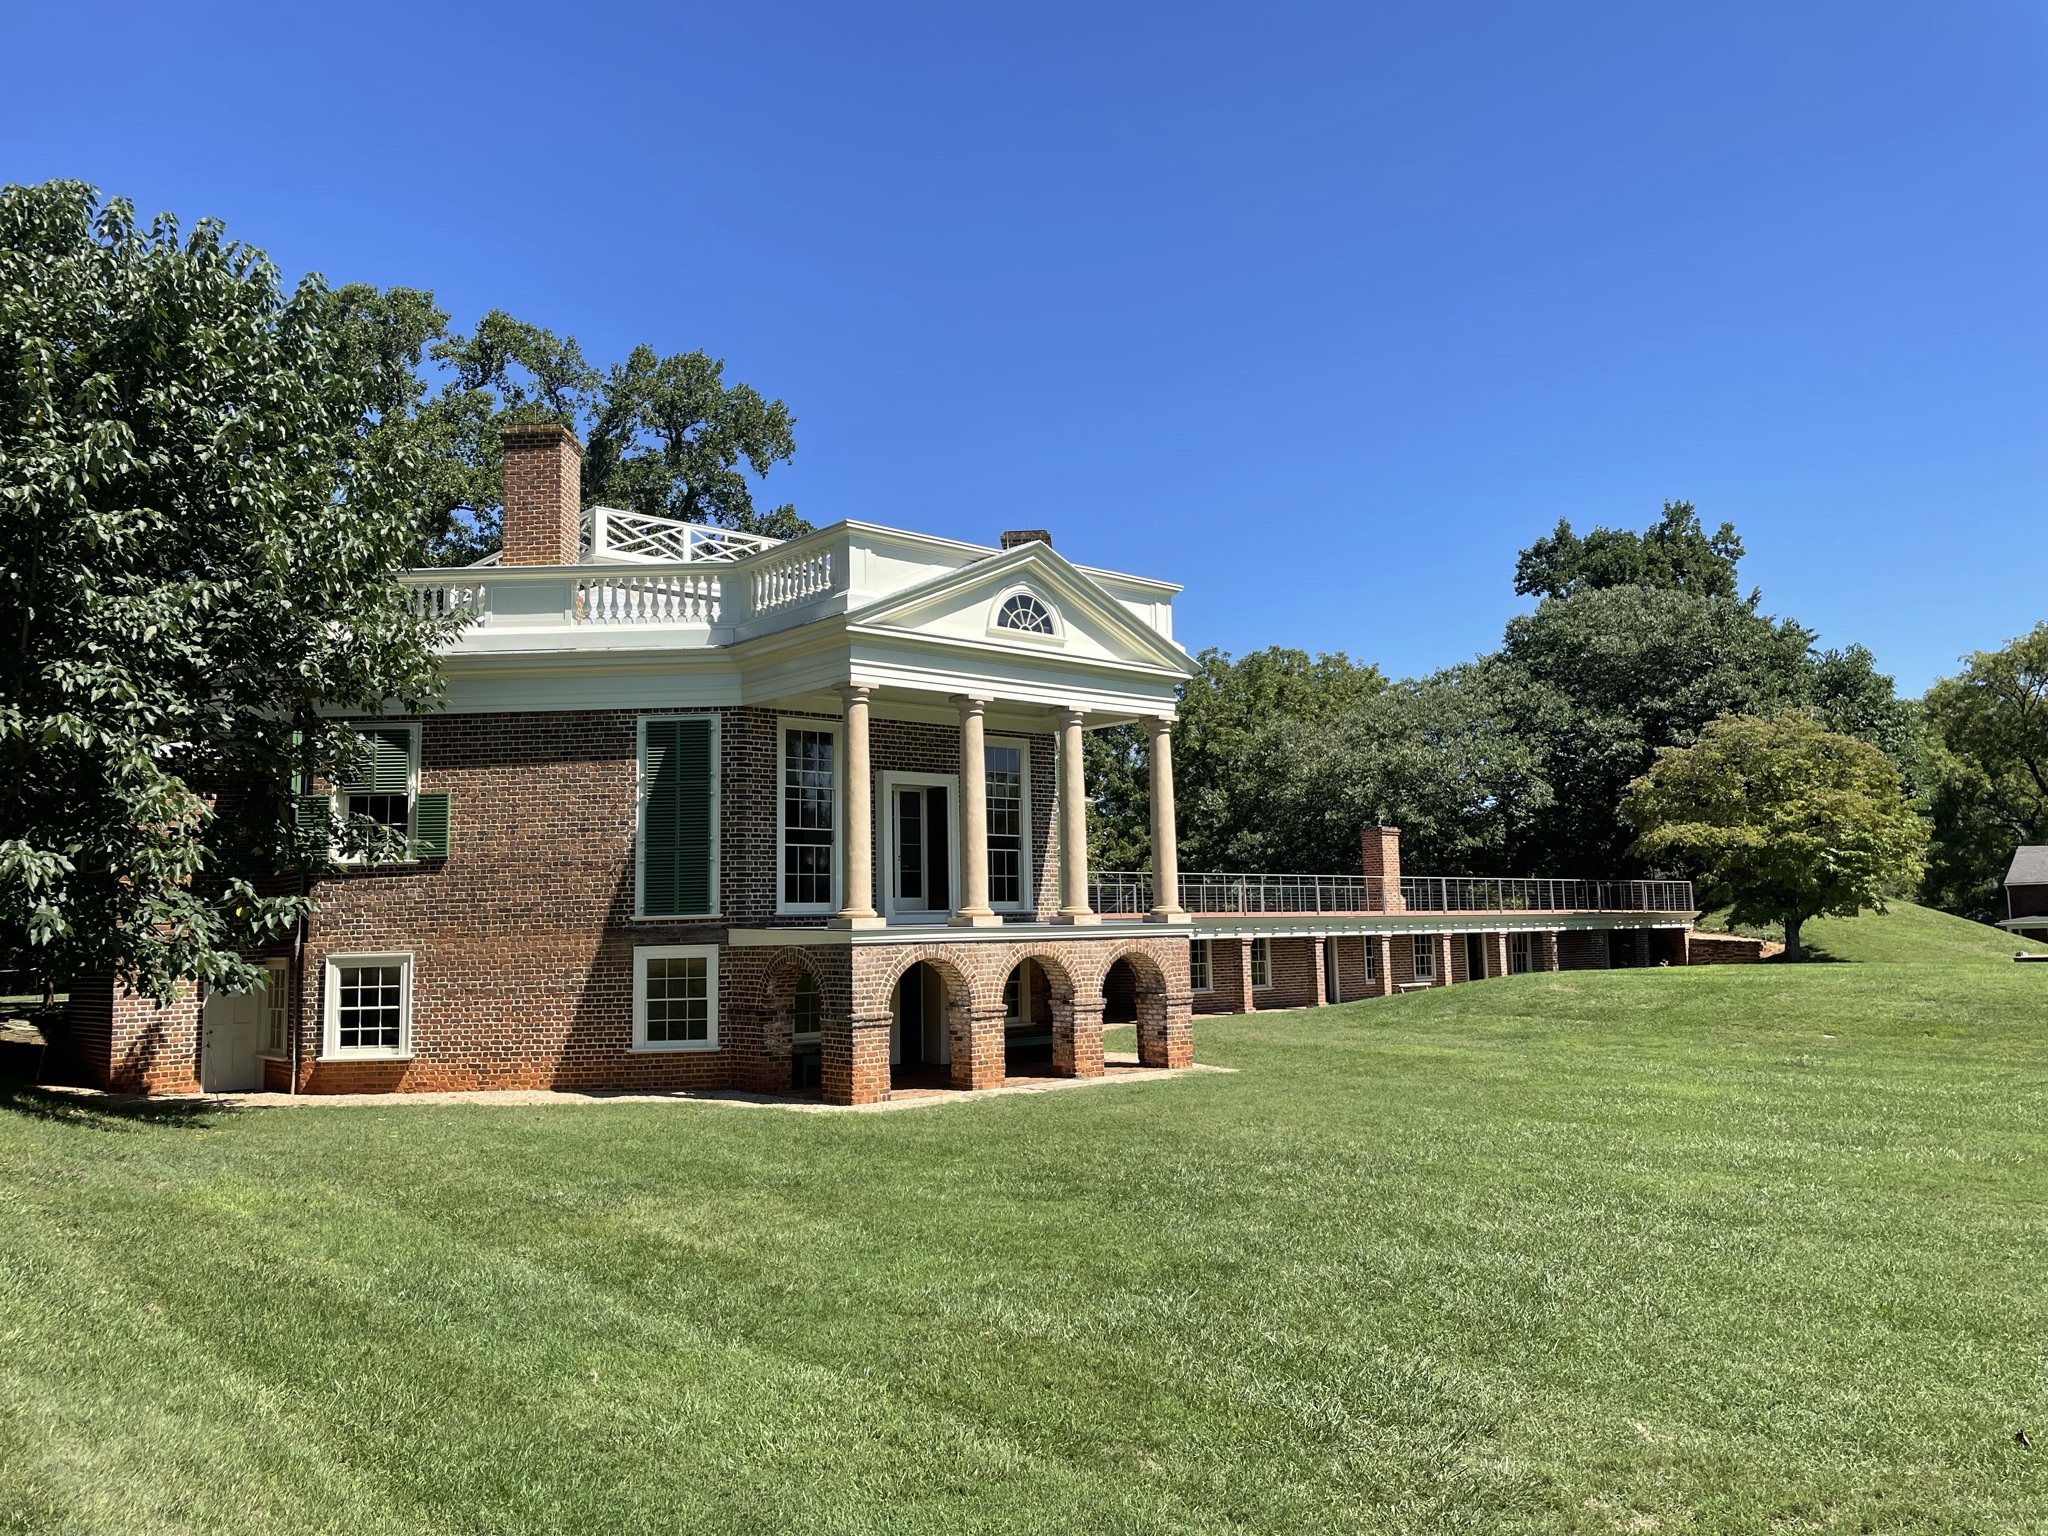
x,y
543,496
1380,854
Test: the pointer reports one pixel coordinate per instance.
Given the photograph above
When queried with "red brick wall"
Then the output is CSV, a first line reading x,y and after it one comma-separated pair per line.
x,y
119,1041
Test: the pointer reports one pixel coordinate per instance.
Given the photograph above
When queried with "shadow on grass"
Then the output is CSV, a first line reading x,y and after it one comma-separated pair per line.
x,y
104,1112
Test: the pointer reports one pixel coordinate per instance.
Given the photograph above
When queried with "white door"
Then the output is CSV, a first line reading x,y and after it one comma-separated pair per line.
x,y
228,1040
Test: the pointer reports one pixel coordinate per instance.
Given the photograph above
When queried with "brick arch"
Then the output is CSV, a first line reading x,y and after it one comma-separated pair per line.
x,y
1058,972
959,984
1164,1027
774,1014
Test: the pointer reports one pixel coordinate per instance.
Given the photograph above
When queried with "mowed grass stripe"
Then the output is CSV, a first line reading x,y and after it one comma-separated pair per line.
x,y
1552,1253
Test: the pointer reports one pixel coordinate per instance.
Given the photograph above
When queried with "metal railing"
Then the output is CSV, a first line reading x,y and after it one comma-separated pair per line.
x,y
1127,892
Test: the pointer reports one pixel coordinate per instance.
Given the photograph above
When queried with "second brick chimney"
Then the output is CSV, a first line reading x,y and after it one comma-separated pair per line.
x,y
1380,854
543,497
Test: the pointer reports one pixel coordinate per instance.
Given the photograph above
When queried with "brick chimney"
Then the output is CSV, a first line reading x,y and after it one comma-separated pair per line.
x,y
1016,536
543,496
1380,854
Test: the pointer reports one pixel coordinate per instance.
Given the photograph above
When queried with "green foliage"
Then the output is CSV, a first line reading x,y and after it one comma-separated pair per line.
x,y
1593,684
1673,554
662,435
1781,819
1986,772
1226,711
199,527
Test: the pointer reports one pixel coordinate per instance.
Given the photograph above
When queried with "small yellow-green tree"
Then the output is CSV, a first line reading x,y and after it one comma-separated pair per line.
x,y
1782,819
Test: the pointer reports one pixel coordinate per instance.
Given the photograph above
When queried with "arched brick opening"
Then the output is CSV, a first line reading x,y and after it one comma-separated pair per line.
x,y
935,1028
1038,996
1165,1031
792,1013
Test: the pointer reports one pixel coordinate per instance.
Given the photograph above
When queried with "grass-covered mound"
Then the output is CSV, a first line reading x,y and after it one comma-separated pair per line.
x,y
1735,1249
1903,934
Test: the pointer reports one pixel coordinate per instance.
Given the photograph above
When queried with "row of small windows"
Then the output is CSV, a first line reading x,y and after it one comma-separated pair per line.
x,y
1422,964
369,1003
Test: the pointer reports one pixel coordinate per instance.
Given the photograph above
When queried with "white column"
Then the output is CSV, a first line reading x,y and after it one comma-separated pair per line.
x,y
858,900
1073,823
1166,906
973,911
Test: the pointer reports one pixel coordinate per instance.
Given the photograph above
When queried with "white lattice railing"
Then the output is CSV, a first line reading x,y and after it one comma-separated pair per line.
x,y
615,535
455,599
648,599
794,581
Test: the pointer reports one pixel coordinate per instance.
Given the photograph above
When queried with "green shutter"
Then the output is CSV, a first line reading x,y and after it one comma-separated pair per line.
x,y
390,764
675,817
430,819
314,813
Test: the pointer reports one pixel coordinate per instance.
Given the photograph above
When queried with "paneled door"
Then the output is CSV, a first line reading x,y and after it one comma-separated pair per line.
x,y
922,857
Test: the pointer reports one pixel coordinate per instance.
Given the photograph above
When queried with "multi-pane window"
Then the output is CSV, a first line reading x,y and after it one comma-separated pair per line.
x,y
678,1000
1262,967
1198,965
1518,955
675,997
369,1010
1372,958
1025,613
275,994
808,1009
807,826
1005,772
1425,957
383,792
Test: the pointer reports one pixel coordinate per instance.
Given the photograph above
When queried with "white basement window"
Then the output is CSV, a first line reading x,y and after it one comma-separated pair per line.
x,y
1198,965
1262,965
1425,957
675,997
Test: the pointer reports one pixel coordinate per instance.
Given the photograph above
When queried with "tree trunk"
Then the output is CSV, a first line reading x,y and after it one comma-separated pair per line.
x,y
1792,951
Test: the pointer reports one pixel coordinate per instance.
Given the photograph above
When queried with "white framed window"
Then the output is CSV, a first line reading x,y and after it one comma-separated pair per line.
x,y
1020,611
1262,965
277,975
1425,956
1198,965
369,1007
1520,955
675,997
808,815
1371,946
1007,765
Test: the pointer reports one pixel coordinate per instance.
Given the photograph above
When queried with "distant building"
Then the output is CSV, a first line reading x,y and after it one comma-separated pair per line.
x,y
2026,893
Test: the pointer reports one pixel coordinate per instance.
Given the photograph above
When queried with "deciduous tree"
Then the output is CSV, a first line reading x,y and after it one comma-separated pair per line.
x,y
199,530
1782,819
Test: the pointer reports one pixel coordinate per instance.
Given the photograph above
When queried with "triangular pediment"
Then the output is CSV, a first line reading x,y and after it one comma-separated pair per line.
x,y
967,604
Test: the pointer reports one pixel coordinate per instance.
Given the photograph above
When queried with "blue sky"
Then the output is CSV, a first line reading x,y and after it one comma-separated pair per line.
x,y
1321,311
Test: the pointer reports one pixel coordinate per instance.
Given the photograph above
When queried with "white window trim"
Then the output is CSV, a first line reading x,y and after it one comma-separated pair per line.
x,y
1209,957
1265,947
1428,947
640,912
1059,624
330,1013
824,727
337,797
1028,888
708,953
887,787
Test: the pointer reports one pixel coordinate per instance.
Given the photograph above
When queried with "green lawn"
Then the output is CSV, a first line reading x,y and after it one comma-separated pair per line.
x,y
1728,1249
1903,934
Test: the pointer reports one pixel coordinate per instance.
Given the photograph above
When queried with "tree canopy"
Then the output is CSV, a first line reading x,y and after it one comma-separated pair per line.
x,y
1782,819
1987,771
662,435
199,530
1675,553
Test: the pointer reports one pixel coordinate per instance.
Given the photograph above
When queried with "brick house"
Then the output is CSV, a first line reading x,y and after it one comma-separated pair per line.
x,y
711,811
